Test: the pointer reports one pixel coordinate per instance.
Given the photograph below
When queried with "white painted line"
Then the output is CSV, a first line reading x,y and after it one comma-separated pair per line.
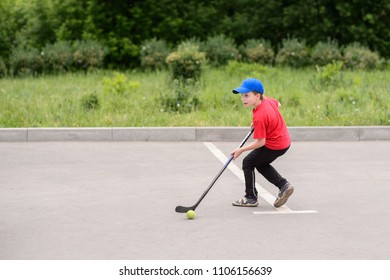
x,y
269,198
285,212
240,174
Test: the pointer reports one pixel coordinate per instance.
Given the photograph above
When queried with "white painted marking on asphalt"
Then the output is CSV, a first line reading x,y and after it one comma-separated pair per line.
x,y
286,212
269,198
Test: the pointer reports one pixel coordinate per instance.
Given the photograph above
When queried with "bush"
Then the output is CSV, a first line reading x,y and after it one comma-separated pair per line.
x,y
257,51
182,100
117,92
186,62
58,57
186,68
26,61
220,50
154,53
90,102
88,54
358,57
325,53
329,76
119,85
293,53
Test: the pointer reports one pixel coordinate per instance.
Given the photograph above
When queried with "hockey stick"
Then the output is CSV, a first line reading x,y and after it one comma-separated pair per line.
x,y
184,209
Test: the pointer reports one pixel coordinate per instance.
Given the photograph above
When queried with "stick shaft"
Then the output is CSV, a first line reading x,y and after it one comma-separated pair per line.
x,y
185,209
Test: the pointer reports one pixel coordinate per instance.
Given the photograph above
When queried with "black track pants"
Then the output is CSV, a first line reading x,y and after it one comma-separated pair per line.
x,y
261,159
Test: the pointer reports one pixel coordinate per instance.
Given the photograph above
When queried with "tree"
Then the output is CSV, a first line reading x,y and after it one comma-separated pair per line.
x,y
122,25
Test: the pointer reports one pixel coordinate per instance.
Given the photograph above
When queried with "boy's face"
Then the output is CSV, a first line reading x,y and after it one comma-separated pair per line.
x,y
250,99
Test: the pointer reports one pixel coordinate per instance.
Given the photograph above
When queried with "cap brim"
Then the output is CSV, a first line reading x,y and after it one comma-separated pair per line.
x,y
240,90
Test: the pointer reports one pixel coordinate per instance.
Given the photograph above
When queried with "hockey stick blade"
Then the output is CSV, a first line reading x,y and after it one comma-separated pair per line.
x,y
183,209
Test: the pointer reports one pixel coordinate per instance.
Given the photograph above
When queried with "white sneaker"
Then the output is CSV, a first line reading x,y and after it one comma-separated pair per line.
x,y
246,202
284,194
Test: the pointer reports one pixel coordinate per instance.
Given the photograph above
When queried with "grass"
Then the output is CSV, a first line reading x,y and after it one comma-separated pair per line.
x,y
133,99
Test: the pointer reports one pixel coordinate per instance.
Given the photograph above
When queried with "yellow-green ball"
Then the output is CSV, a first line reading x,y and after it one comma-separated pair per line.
x,y
190,214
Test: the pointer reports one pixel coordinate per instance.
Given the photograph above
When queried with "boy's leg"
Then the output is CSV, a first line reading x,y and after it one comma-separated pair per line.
x,y
250,198
272,176
261,159
270,173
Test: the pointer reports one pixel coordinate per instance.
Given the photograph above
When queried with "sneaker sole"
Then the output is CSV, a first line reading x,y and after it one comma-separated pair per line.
x,y
245,205
281,201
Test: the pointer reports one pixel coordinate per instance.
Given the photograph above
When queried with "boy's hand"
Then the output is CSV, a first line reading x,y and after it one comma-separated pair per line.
x,y
255,145
236,153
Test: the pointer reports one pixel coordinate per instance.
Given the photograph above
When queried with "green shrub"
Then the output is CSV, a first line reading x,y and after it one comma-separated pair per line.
x,y
186,67
118,91
357,56
186,62
58,57
26,61
90,102
220,50
154,53
257,51
293,53
88,54
329,76
183,99
119,85
325,53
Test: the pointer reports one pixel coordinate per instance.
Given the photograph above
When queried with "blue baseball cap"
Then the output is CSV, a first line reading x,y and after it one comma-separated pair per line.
x,y
248,85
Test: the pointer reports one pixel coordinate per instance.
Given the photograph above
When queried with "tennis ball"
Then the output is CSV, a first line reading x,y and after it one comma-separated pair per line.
x,y
190,214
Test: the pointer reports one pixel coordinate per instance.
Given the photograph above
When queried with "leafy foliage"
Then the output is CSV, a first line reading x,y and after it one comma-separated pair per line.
x,y
58,57
329,76
26,61
183,99
358,57
122,26
325,53
220,50
3,68
257,51
293,53
154,53
186,62
119,85
90,102
186,67
88,54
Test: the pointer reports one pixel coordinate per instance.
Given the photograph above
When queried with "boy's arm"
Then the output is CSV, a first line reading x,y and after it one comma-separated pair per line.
x,y
254,145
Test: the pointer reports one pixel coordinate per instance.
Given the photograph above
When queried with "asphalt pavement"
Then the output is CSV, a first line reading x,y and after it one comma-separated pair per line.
x,y
113,200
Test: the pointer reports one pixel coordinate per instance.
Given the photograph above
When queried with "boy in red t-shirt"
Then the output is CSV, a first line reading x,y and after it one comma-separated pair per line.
x,y
271,140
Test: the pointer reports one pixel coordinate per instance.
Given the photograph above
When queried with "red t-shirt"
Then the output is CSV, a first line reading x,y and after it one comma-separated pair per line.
x,y
269,124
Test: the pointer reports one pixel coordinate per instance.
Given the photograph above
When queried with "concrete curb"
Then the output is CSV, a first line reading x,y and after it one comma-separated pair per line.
x,y
331,133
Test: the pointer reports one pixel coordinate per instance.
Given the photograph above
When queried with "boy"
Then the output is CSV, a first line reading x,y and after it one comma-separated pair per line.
x,y
271,140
